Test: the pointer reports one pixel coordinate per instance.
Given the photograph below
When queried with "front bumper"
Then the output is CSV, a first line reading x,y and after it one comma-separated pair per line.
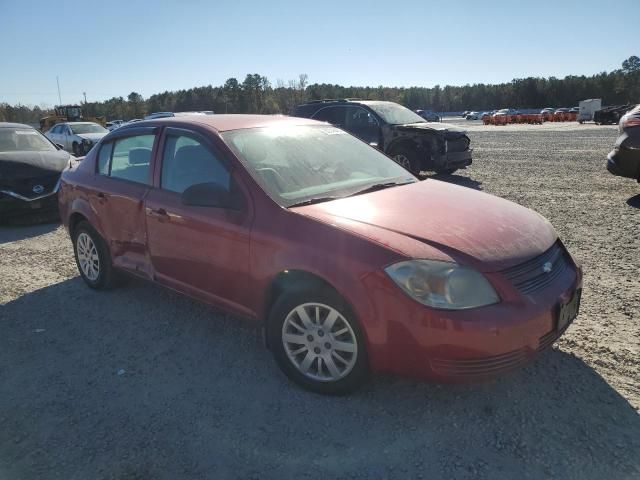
x,y
624,162
450,160
13,204
468,345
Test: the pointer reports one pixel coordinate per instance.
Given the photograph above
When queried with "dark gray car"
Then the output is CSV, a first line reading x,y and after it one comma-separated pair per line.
x,y
406,137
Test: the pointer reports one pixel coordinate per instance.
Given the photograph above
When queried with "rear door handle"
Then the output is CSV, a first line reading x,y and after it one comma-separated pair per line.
x,y
102,198
159,213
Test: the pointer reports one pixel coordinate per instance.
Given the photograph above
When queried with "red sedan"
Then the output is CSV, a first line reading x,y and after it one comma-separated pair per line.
x,y
351,264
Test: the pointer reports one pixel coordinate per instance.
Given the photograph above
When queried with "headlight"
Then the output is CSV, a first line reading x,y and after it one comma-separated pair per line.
x,y
443,284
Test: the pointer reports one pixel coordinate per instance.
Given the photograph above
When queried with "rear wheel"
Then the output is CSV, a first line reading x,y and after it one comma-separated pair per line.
x,y
93,258
317,342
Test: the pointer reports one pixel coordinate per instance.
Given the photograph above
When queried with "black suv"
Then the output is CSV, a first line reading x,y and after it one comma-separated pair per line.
x,y
402,134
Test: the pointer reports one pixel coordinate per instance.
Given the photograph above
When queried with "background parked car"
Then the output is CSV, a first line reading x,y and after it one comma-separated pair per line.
x,y
113,124
624,159
30,168
428,115
402,134
76,137
473,116
507,111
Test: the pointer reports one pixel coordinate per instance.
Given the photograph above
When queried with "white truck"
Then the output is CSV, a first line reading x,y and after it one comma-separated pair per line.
x,y
588,108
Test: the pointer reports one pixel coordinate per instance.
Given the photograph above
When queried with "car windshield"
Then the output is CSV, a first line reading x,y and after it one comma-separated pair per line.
x,y
81,128
23,140
395,114
294,164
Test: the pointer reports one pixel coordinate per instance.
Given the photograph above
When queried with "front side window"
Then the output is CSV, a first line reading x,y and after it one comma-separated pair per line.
x,y
82,128
127,158
357,117
188,162
295,164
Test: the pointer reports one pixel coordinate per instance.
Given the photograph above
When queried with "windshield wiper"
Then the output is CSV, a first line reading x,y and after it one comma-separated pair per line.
x,y
311,201
380,186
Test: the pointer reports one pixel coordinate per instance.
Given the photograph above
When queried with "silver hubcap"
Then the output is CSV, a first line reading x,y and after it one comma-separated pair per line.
x,y
88,256
319,342
403,160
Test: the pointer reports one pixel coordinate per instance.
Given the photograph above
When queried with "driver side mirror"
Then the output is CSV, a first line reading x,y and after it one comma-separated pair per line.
x,y
210,194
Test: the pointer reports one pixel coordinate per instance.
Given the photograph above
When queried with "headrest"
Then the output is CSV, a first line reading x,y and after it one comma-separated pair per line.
x,y
139,156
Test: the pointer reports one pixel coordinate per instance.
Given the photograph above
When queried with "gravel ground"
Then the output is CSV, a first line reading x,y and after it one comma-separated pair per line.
x,y
140,383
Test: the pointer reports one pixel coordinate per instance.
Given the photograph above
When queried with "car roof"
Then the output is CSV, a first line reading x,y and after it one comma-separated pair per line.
x,y
14,125
226,122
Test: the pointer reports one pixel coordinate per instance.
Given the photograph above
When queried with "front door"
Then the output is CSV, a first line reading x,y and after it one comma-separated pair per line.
x,y
362,124
203,251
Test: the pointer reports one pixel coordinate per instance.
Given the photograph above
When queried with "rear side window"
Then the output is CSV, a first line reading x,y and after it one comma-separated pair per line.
x,y
127,158
188,162
104,159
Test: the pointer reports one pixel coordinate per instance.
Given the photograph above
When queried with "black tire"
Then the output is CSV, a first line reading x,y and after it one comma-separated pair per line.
x,y
107,276
77,149
407,158
283,308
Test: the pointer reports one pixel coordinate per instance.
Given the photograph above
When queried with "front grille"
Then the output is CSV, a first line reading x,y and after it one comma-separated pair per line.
x,y
530,276
24,186
460,144
477,367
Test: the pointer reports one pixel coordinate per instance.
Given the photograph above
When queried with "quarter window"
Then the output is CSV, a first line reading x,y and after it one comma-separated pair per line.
x,y
104,158
188,162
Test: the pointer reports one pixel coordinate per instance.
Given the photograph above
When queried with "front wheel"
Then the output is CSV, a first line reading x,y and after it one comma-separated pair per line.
x,y
406,158
77,149
317,342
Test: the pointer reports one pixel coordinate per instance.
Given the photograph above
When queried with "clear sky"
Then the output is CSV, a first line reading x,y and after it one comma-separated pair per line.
x,y
112,47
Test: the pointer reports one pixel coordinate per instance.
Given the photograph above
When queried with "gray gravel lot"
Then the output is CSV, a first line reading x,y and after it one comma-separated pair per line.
x,y
140,383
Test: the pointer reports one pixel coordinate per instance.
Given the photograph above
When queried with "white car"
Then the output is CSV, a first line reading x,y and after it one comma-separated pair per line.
x,y
113,124
76,137
474,116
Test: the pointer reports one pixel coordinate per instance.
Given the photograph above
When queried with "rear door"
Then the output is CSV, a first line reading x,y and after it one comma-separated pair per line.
x,y
54,134
65,137
201,250
123,178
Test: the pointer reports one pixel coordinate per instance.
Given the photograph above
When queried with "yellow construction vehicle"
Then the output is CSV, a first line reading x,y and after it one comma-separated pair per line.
x,y
68,113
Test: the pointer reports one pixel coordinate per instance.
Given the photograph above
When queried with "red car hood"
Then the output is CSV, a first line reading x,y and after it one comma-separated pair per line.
x,y
438,220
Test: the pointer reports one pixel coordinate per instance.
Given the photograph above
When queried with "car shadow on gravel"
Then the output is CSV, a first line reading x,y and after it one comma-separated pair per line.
x,y
634,201
140,382
458,180
12,232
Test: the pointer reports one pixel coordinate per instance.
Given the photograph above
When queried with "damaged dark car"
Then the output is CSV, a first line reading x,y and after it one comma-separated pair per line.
x,y
406,137
30,169
624,159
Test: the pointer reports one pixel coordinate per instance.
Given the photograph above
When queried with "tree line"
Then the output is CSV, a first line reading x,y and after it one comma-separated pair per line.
x,y
256,94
